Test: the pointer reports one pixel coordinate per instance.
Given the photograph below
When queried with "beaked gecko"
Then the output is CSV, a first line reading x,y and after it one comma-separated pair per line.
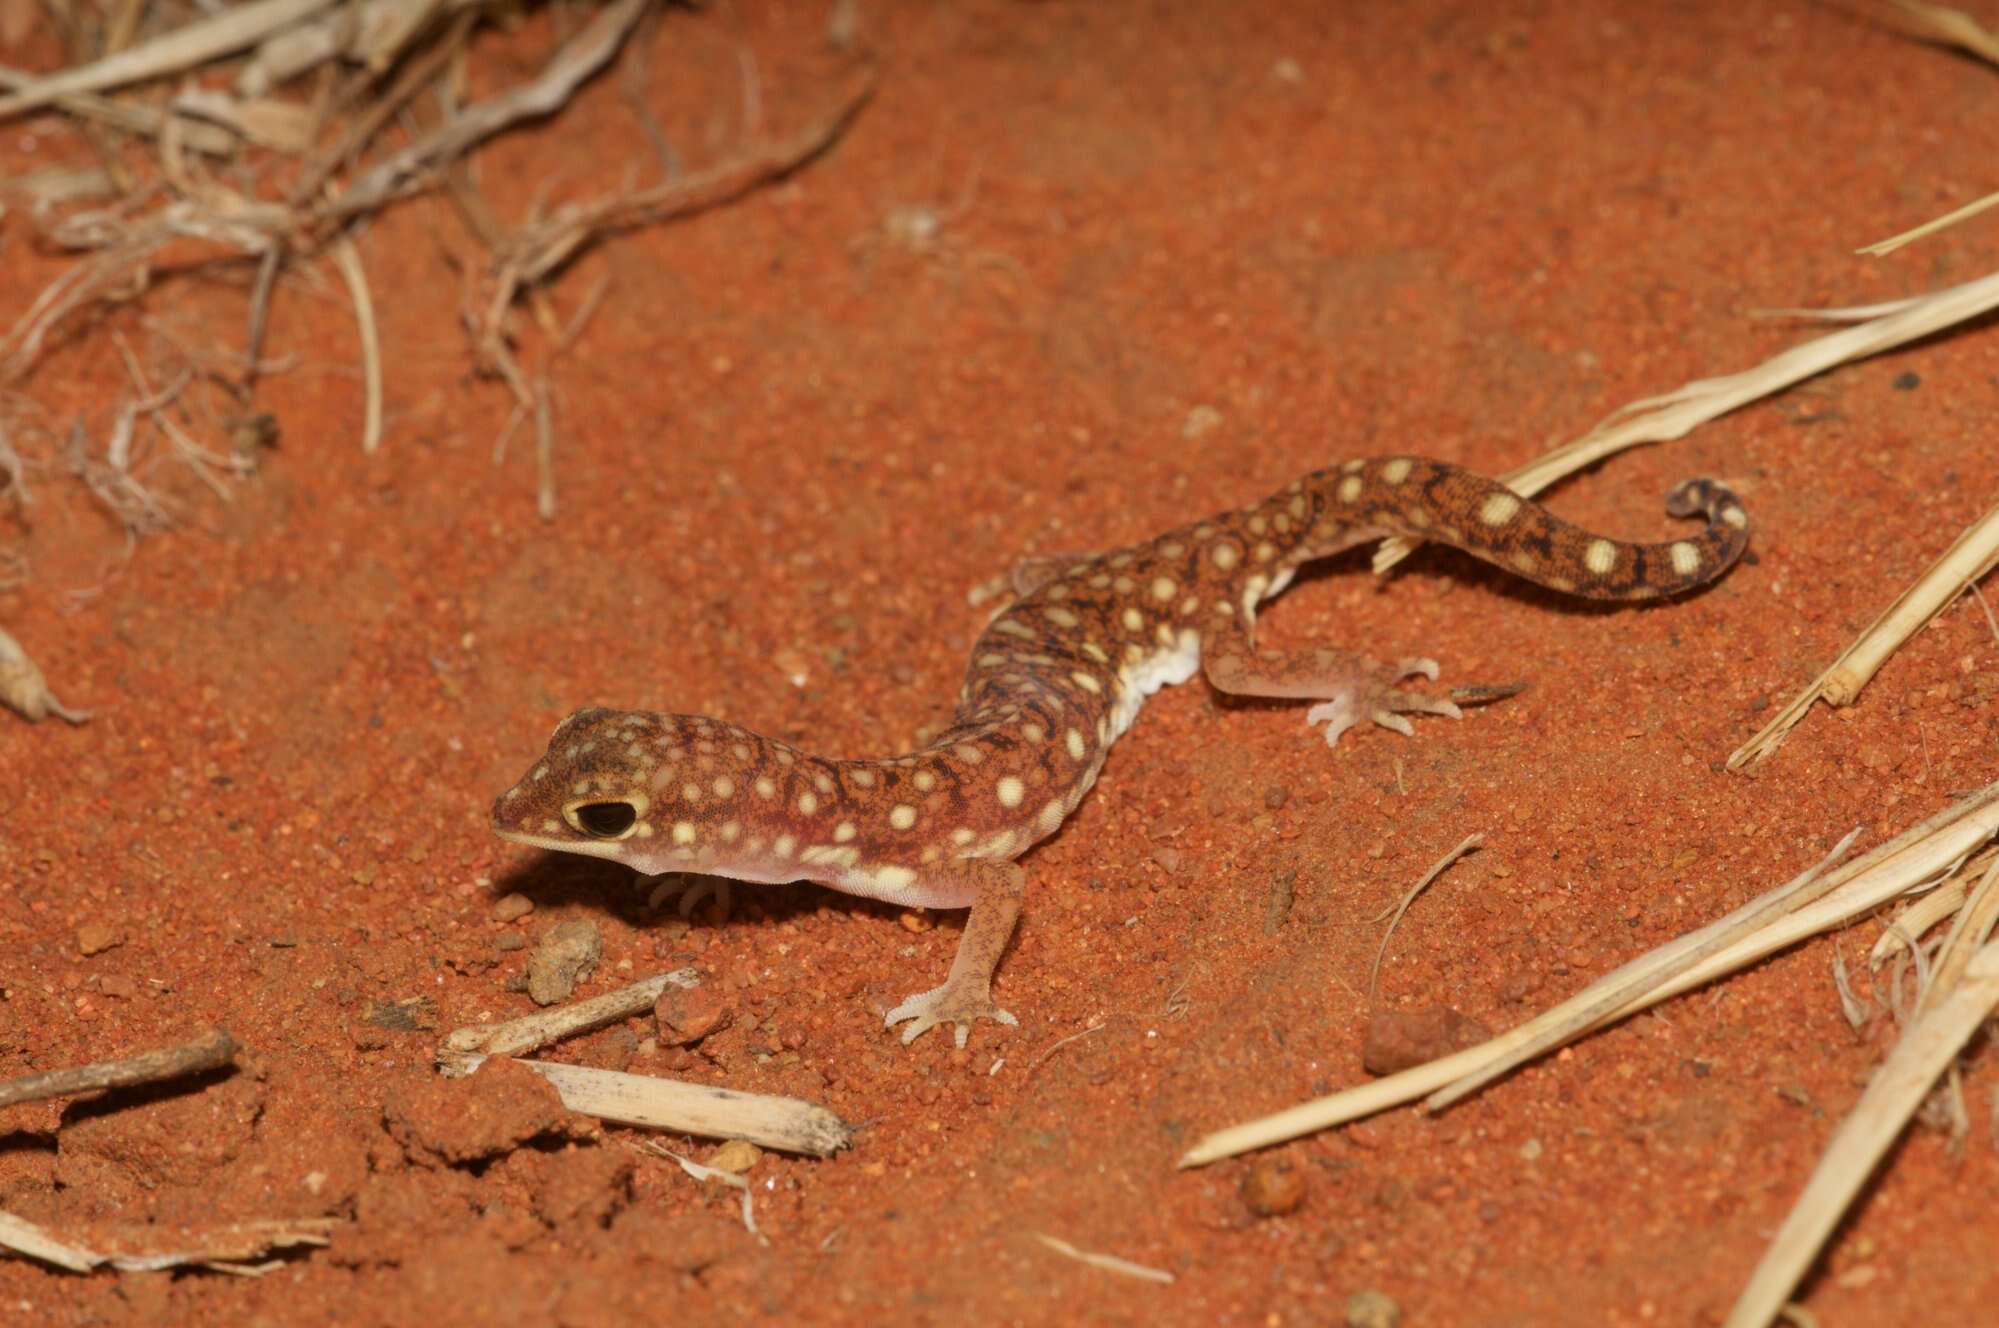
x,y
1055,678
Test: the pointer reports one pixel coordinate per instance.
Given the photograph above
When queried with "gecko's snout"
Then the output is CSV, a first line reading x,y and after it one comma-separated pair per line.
x,y
507,810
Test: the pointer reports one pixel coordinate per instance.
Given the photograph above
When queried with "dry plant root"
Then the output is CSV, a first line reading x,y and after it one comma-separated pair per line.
x,y
306,175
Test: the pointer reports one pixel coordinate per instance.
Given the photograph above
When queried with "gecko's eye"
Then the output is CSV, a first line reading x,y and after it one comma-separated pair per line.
x,y
604,820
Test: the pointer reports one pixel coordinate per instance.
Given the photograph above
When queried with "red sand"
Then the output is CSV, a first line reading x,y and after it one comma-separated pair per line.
x,y
796,433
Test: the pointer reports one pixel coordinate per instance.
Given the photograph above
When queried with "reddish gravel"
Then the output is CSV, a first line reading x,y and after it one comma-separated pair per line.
x,y
1078,273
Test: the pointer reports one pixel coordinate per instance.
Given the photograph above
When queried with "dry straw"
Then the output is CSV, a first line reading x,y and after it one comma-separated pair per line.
x,y
1810,904
1959,991
789,1124
1873,329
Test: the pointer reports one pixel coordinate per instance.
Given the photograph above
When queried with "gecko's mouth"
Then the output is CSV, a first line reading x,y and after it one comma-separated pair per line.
x,y
602,820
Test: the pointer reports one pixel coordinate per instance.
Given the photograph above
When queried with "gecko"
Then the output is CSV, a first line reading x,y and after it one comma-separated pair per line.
x,y
1056,677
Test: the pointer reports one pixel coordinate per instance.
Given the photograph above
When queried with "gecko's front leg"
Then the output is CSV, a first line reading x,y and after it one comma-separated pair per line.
x,y
993,889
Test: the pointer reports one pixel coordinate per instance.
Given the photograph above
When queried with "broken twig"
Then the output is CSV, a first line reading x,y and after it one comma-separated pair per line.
x,y
1908,861
1465,846
1926,1049
464,1048
212,1049
784,1123
140,1250
1110,1263
1970,557
580,57
787,1124
183,48
705,1174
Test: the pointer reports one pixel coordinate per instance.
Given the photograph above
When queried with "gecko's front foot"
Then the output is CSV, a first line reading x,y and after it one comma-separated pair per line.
x,y
1370,694
960,1003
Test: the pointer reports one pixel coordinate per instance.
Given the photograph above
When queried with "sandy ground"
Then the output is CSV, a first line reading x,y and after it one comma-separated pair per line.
x,y
1079,272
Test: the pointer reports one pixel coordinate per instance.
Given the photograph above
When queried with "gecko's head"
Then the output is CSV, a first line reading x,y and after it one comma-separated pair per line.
x,y
594,791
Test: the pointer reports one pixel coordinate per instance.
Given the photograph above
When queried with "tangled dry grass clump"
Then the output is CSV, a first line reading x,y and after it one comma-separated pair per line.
x,y
272,132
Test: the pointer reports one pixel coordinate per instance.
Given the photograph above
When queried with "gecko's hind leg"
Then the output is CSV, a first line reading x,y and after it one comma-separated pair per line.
x,y
1349,688
1033,571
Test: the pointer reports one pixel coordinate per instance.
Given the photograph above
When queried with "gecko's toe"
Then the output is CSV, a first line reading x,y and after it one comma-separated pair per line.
x,y
1393,705
1388,719
1337,715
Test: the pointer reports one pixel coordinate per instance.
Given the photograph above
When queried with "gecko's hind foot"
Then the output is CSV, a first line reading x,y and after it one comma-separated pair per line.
x,y
951,1003
1372,696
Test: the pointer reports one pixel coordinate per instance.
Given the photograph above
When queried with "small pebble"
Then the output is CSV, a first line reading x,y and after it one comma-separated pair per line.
x,y
735,1156
566,955
793,664
1272,1188
95,938
1372,1309
1199,422
1398,1039
686,1015
613,1050
508,941
510,908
